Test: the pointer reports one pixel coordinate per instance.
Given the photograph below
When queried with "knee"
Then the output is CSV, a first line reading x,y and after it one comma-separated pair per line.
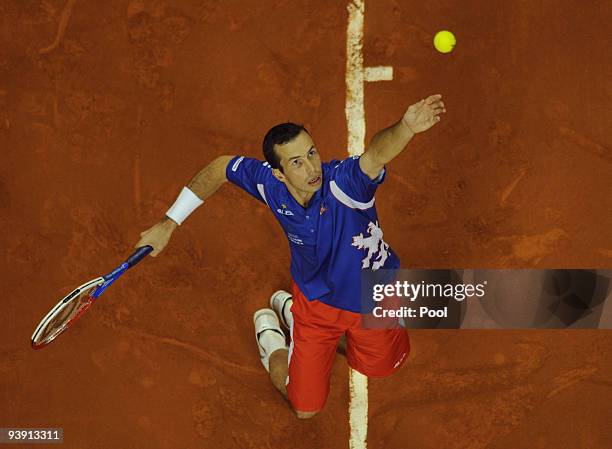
x,y
305,415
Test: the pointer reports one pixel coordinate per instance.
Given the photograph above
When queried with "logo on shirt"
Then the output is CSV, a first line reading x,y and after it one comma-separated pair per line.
x,y
323,209
373,244
237,163
283,210
295,238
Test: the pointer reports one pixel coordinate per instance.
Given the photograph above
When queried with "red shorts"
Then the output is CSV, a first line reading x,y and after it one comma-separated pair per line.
x,y
316,330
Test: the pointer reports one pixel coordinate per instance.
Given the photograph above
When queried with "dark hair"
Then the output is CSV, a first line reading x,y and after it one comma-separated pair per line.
x,y
279,135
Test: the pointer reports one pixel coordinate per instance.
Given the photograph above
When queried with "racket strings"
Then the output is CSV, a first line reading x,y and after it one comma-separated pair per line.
x,y
66,315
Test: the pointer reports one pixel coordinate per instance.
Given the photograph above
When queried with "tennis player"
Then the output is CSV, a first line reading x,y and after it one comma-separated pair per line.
x,y
327,212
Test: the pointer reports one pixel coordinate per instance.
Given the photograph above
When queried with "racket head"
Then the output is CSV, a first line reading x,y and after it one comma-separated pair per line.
x,y
63,315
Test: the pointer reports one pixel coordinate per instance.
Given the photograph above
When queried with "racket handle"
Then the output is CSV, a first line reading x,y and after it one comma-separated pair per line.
x,y
138,255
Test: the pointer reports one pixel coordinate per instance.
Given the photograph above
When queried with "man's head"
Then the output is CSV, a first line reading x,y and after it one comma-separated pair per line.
x,y
290,151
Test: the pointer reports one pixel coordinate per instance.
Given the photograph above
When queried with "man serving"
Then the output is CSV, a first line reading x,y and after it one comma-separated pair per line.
x,y
327,212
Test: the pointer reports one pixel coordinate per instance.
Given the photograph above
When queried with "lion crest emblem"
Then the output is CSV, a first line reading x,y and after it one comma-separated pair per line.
x,y
374,245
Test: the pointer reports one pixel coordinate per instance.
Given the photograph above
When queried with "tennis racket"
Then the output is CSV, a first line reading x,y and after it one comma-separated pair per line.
x,y
66,312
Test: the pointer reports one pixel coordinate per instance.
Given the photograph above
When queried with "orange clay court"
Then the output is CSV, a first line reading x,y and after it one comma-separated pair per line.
x,y
108,108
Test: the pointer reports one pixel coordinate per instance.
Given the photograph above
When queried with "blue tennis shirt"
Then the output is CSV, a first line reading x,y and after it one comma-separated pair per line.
x,y
332,239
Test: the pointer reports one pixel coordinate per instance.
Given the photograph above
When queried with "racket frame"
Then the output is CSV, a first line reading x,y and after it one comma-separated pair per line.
x,y
100,283
65,301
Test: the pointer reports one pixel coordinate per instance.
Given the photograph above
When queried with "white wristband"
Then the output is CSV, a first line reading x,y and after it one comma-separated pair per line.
x,y
184,205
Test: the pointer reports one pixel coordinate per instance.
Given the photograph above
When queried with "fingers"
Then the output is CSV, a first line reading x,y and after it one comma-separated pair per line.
x,y
153,253
435,118
437,109
432,99
435,102
156,236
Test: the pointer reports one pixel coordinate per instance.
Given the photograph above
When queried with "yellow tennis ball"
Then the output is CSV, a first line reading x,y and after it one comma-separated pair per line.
x,y
444,41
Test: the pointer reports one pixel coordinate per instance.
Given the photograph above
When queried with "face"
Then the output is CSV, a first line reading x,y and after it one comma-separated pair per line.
x,y
301,164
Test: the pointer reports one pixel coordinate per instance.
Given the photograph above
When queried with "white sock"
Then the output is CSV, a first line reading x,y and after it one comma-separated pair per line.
x,y
287,315
271,341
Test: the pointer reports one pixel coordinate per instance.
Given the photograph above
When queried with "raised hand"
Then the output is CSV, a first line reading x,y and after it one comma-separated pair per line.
x,y
423,115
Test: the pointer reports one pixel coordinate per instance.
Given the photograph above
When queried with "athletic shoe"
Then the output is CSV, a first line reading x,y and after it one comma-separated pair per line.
x,y
268,335
279,301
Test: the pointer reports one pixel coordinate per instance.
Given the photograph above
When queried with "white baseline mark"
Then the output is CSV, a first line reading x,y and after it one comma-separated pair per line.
x,y
358,410
380,73
356,76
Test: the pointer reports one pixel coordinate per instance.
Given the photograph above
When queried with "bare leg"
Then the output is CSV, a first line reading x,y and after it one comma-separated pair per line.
x,y
279,360
341,349
279,368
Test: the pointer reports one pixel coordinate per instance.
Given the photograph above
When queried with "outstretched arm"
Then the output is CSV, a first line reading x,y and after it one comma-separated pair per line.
x,y
390,142
210,178
202,185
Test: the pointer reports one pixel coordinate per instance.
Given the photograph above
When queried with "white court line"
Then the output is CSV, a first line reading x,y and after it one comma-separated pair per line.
x,y
356,76
355,117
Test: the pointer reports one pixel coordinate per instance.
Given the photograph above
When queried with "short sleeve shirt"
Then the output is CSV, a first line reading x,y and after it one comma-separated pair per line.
x,y
335,237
